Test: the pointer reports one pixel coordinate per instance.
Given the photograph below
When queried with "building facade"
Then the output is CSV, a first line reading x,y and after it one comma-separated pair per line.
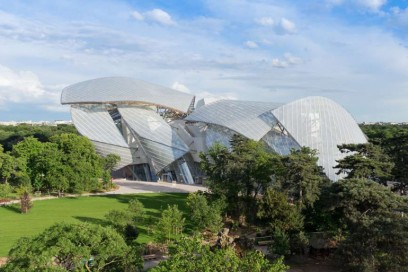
x,y
158,133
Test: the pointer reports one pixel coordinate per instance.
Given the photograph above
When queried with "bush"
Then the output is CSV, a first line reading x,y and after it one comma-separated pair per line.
x,y
170,225
205,215
5,190
281,245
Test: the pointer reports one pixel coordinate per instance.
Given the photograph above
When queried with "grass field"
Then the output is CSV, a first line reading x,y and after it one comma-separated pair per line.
x,y
92,209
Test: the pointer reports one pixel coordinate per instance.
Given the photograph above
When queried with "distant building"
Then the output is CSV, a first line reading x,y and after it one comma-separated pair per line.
x,y
158,134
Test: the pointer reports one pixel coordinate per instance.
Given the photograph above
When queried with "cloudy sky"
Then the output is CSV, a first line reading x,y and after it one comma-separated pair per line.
x,y
353,51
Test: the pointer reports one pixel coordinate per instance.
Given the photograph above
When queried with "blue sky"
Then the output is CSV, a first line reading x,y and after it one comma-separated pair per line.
x,y
353,51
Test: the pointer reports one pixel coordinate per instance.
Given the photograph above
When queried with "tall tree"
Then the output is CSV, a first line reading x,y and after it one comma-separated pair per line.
x,y
83,164
241,173
365,161
302,178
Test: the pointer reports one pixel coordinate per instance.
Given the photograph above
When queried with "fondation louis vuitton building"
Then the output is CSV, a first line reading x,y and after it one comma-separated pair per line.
x,y
159,132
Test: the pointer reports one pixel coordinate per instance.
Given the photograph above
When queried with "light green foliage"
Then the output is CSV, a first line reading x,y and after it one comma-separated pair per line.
x,y
5,190
110,161
191,255
119,219
126,221
365,161
82,163
73,247
81,209
8,165
302,178
170,225
203,214
136,209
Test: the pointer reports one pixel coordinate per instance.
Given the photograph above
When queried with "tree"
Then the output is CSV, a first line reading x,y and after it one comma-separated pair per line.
x,y
8,165
397,148
83,164
365,161
302,178
109,163
25,198
284,220
73,247
203,214
241,174
370,217
378,246
170,225
125,221
360,201
190,254
275,210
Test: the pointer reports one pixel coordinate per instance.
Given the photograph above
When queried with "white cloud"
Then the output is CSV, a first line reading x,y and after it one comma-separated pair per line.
x,y
19,86
278,63
137,15
211,97
265,21
373,5
180,87
287,25
159,16
251,44
292,59
399,16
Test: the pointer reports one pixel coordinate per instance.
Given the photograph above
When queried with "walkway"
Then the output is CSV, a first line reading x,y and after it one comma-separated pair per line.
x,y
132,187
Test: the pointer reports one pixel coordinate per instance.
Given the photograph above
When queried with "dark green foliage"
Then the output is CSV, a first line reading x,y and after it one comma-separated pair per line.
x,y
281,245
73,247
360,201
380,245
397,149
205,215
275,210
241,174
301,177
393,139
365,161
370,217
11,135
191,255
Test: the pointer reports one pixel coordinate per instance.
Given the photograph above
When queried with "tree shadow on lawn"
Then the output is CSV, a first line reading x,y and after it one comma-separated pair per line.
x,y
92,220
14,208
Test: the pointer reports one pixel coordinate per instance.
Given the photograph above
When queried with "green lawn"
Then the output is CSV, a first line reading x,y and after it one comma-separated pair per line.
x,y
45,213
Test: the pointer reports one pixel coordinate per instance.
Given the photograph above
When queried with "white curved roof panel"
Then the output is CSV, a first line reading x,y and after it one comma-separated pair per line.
x,y
95,123
156,136
248,118
321,124
119,90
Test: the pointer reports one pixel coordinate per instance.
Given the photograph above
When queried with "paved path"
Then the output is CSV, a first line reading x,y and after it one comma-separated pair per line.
x,y
133,187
